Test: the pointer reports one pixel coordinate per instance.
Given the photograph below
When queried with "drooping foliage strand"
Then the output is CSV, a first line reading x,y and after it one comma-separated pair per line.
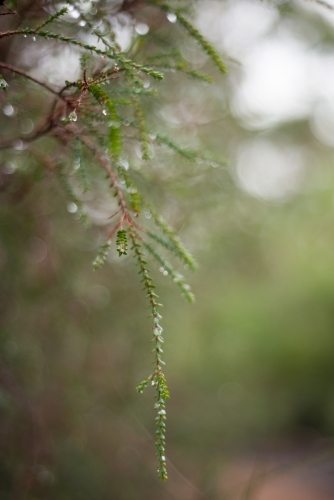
x,y
99,121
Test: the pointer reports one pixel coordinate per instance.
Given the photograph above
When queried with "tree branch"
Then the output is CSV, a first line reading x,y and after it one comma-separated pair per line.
x,y
19,71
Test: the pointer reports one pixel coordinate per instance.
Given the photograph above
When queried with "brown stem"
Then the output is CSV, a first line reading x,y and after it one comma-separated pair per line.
x,y
23,73
10,33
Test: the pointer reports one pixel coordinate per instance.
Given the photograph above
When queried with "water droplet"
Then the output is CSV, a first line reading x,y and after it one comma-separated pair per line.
x,y
19,145
104,112
161,269
171,17
165,273
72,208
82,23
124,164
142,29
24,36
9,168
8,110
34,39
26,126
75,14
72,116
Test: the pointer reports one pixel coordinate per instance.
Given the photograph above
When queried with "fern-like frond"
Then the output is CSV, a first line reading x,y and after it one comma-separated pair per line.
x,y
194,33
102,256
53,18
114,125
157,378
143,133
177,278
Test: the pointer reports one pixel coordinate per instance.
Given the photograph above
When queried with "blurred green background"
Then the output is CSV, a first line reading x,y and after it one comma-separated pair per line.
x,y
251,364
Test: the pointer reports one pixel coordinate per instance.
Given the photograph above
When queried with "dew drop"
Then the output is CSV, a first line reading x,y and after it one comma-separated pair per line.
x,y
124,164
8,110
72,116
171,17
104,112
9,168
75,14
165,273
19,145
34,38
72,208
142,29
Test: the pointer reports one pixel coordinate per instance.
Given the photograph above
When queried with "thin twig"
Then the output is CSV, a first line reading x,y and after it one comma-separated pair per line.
x,y
26,75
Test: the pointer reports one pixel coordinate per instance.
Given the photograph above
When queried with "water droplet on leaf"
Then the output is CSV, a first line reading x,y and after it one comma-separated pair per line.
x,y
72,116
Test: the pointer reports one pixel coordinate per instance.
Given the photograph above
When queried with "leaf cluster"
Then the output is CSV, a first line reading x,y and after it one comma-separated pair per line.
x,y
100,120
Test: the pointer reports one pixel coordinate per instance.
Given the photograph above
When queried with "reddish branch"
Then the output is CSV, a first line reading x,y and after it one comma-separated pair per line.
x,y
112,176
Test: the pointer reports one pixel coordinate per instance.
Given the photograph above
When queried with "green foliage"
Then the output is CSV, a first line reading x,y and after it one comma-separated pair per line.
x,y
102,256
189,154
171,242
194,33
143,133
53,18
101,121
167,268
114,125
3,83
156,378
121,242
